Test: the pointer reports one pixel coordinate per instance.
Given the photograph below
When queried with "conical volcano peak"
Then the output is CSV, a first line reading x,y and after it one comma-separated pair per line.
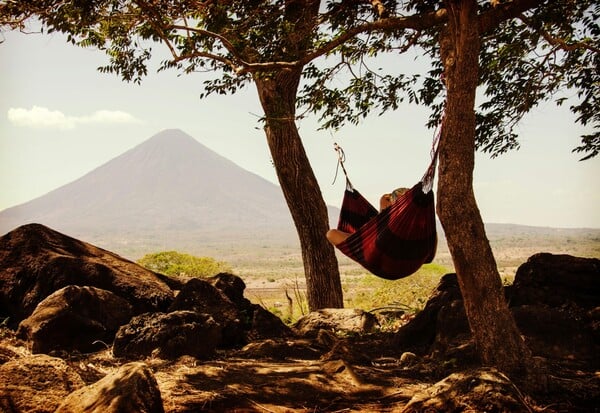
x,y
169,184
171,136
173,143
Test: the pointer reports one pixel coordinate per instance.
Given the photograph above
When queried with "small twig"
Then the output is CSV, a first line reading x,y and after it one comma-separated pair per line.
x,y
403,307
290,305
101,342
554,41
260,406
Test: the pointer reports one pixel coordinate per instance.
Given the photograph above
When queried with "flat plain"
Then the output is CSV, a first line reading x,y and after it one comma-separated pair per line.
x,y
273,272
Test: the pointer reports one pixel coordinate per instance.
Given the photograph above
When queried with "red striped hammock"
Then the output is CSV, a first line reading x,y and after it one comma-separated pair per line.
x,y
397,241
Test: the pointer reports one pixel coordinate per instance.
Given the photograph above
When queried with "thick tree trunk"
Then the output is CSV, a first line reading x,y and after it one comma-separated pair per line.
x,y
277,94
497,338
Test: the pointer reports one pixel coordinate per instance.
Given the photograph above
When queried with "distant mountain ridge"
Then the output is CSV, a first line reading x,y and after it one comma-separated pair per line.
x,y
173,193
168,185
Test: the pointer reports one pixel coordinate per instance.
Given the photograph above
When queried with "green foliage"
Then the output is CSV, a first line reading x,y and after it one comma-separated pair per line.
x,y
549,52
542,55
179,264
409,294
545,50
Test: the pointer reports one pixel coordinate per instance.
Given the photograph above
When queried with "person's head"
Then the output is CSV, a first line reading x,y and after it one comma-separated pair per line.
x,y
397,193
388,199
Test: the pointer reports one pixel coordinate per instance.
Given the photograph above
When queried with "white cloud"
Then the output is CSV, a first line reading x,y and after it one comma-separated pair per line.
x,y
40,117
108,116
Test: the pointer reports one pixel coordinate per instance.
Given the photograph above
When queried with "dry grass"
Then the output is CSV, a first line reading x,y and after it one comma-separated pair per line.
x,y
271,271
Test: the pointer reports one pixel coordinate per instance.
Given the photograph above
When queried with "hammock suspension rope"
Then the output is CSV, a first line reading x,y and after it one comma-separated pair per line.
x,y
397,241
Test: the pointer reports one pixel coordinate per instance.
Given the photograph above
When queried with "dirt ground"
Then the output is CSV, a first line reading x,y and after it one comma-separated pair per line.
x,y
360,374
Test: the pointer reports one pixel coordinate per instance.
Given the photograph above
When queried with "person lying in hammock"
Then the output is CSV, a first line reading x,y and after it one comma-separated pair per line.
x,y
336,237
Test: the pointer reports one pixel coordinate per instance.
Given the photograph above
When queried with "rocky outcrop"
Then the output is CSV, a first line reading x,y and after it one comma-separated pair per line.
x,y
257,323
419,335
65,294
342,320
265,325
232,286
557,280
485,390
132,388
75,318
37,383
202,297
555,300
207,313
36,261
168,336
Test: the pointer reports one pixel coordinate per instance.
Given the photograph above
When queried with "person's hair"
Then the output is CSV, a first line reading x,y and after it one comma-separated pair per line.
x,y
397,193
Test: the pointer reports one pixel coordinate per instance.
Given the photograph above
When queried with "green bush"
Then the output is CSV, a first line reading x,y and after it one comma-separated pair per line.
x,y
180,264
409,294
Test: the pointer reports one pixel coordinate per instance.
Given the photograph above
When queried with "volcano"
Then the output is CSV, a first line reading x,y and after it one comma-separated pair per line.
x,y
170,190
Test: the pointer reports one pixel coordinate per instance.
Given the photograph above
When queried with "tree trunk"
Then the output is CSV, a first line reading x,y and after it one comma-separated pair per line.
x,y
277,92
497,338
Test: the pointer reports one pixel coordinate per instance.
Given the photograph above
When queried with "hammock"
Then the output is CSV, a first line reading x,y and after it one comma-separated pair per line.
x,y
397,241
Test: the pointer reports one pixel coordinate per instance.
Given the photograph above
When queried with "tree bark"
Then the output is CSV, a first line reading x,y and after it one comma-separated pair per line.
x,y
497,338
277,92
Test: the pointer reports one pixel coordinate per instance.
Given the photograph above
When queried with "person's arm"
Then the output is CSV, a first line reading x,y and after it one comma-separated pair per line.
x,y
336,236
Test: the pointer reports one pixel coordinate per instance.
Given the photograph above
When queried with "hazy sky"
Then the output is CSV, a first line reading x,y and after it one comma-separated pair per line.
x,y
60,118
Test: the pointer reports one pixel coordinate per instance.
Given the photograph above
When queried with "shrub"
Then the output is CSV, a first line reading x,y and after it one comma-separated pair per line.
x,y
180,264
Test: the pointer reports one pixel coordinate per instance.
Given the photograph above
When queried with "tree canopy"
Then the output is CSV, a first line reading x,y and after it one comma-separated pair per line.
x,y
550,52
546,50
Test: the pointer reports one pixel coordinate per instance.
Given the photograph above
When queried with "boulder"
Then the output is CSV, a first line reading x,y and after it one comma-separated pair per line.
x,y
132,388
36,261
484,390
200,296
420,333
232,286
168,336
554,300
452,332
556,280
556,332
37,383
342,320
75,318
257,322
266,325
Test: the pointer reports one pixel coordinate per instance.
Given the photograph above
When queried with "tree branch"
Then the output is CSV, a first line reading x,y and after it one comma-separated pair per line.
x,y
560,43
224,41
415,22
210,56
241,66
158,27
238,64
487,21
500,12
26,13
